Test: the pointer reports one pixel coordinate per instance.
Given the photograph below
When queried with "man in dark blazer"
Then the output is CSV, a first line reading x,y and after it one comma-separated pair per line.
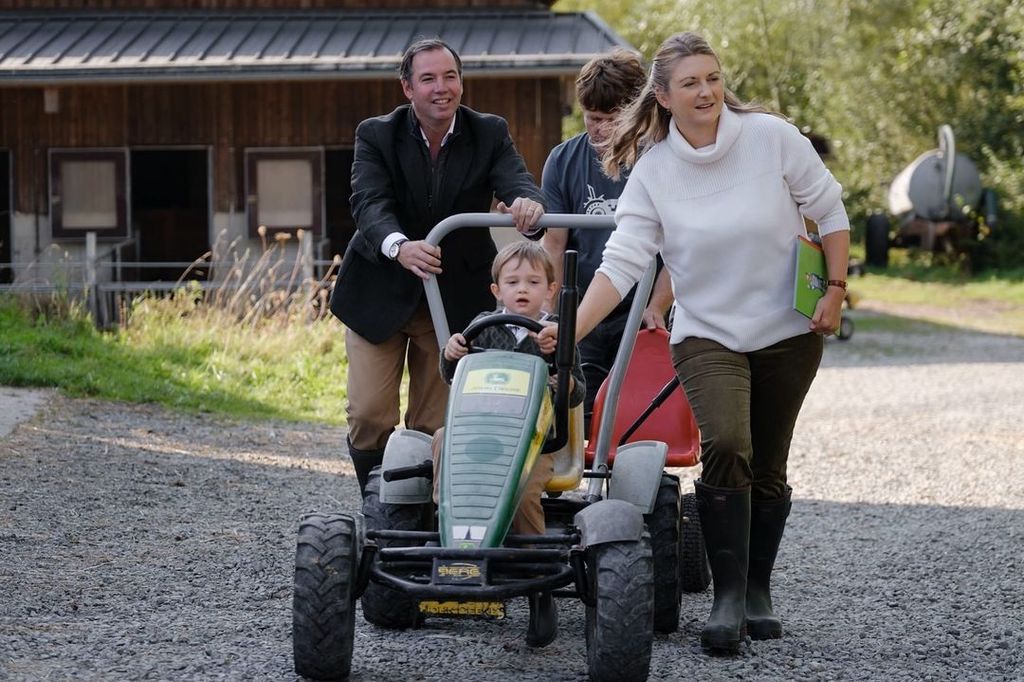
x,y
412,168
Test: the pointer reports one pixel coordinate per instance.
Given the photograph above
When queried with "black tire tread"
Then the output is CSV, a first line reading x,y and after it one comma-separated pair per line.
x,y
666,542
323,611
383,606
694,570
620,627
846,327
876,240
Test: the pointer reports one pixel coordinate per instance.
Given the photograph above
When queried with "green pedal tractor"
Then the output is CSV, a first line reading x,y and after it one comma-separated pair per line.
x,y
405,562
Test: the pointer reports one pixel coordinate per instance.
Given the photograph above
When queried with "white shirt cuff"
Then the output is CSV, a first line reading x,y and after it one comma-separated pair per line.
x,y
385,246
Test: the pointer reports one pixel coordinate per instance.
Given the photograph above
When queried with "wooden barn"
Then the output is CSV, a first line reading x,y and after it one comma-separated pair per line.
x,y
164,125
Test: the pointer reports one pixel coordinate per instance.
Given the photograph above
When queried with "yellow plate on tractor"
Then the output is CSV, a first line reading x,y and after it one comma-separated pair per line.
x,y
477,609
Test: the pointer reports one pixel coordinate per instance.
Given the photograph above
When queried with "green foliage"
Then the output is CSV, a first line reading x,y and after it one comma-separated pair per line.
x,y
875,78
183,356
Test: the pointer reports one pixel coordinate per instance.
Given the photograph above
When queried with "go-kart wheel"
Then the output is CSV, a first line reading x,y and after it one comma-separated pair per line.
x,y
666,543
619,625
382,605
323,610
694,570
845,330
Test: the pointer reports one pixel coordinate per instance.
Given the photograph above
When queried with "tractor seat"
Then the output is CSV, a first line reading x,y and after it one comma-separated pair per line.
x,y
649,370
569,460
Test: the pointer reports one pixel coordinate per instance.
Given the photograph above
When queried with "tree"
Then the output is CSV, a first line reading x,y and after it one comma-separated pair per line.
x,y
875,78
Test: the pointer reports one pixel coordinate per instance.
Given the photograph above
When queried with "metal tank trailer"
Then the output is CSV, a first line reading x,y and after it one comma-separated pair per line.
x,y
937,203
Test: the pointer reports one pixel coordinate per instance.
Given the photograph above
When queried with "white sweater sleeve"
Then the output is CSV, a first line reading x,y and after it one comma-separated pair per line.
x,y
811,185
637,237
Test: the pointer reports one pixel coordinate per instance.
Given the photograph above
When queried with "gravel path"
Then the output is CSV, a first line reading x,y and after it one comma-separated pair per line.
x,y
136,543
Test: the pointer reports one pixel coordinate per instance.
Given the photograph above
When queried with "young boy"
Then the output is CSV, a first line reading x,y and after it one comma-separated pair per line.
x,y
523,279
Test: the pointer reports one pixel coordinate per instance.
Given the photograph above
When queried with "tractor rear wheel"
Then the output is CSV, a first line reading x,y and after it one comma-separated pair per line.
x,y
382,605
695,572
666,542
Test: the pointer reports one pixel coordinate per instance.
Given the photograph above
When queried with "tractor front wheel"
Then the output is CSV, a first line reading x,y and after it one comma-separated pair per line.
x,y
323,610
619,626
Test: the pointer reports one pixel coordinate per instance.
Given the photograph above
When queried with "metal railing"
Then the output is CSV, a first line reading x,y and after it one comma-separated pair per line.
x,y
105,280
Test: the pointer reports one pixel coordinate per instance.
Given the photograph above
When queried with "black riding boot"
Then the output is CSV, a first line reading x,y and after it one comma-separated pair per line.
x,y
767,522
725,522
363,461
543,626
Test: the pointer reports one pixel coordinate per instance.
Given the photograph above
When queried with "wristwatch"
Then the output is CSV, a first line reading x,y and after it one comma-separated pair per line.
x,y
393,251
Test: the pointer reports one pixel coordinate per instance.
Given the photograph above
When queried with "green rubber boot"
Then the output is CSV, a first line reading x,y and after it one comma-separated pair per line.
x,y
767,522
725,522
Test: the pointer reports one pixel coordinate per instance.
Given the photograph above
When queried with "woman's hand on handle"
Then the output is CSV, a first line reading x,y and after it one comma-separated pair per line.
x,y
547,339
601,299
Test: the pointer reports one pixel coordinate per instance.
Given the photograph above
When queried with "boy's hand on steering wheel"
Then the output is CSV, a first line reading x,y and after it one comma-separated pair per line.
x,y
456,347
553,382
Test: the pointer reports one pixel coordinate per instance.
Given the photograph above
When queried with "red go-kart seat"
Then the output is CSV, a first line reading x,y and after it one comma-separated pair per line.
x,y
649,369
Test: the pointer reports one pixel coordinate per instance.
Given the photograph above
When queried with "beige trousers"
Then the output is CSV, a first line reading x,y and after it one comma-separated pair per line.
x,y
375,379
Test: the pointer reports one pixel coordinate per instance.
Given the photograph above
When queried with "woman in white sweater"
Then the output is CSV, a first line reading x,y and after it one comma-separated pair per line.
x,y
720,188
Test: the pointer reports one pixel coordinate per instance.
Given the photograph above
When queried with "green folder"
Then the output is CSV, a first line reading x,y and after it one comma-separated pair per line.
x,y
811,279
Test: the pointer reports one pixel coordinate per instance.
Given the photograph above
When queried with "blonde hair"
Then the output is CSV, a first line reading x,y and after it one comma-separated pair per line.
x,y
520,250
644,122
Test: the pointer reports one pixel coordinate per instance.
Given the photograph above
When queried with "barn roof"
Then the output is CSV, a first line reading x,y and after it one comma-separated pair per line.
x,y
68,47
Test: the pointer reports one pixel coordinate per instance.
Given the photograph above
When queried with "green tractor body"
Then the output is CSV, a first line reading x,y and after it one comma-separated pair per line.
x,y
499,413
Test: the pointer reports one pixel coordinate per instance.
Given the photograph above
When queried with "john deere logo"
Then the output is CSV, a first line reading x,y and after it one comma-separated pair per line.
x,y
498,378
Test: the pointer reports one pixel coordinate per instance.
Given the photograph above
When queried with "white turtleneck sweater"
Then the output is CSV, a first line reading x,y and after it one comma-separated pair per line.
x,y
725,218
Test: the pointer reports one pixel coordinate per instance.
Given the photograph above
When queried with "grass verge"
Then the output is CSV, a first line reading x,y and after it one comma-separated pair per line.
x,y
177,354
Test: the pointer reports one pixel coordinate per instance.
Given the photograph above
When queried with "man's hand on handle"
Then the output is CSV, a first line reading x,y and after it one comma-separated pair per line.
x,y
525,213
420,258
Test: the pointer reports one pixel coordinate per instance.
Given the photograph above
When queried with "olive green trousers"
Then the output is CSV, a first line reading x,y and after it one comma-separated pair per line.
x,y
746,405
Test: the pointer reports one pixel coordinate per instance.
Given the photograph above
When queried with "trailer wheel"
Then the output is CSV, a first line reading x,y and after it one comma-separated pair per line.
x,y
382,605
323,610
876,240
619,624
666,541
694,568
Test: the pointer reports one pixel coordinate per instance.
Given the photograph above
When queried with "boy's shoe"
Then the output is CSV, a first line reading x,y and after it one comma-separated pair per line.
x,y
543,626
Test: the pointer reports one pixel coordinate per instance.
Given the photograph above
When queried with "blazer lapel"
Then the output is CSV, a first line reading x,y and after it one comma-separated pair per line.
x,y
460,156
415,168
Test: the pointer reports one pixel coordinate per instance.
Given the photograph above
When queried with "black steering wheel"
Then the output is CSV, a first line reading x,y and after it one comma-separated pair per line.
x,y
477,326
